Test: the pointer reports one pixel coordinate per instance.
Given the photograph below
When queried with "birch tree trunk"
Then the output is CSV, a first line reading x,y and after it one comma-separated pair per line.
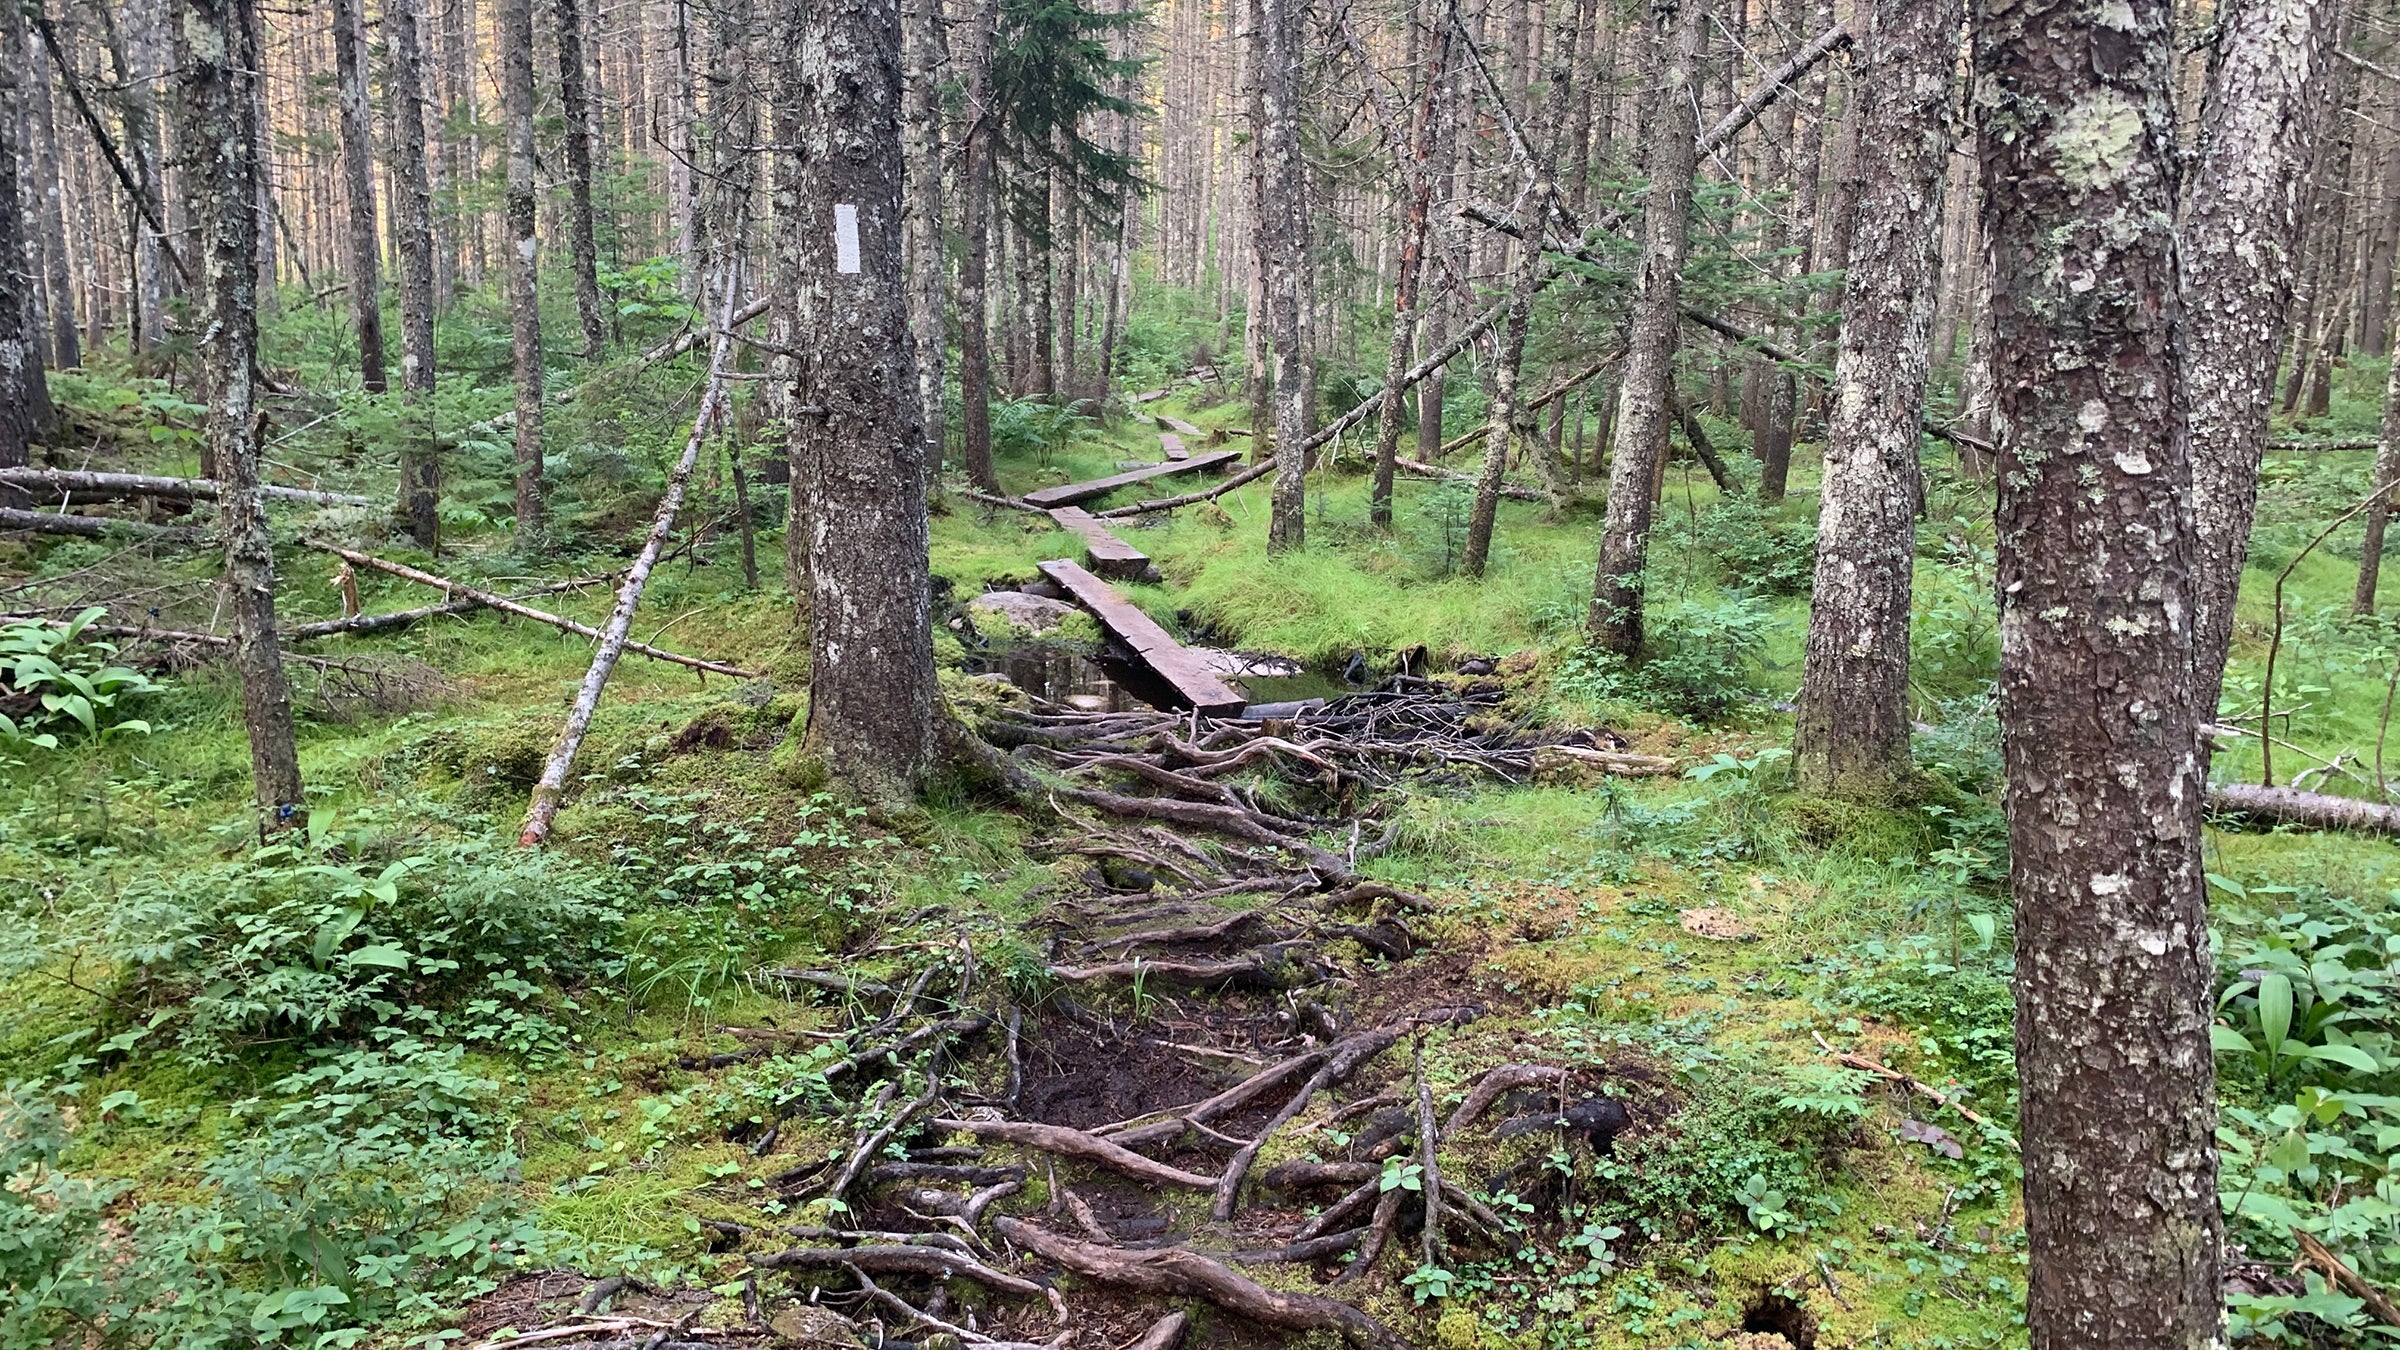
x,y
1853,725
2240,236
2099,724
871,701
583,247
524,299
974,302
412,230
1642,396
1281,178
218,86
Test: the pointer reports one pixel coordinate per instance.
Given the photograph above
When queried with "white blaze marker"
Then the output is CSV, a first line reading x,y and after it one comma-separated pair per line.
x,y
845,237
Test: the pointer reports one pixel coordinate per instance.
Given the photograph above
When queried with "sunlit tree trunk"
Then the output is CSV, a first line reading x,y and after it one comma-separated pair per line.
x,y
524,300
1643,395
1853,724
218,85
2099,723
871,683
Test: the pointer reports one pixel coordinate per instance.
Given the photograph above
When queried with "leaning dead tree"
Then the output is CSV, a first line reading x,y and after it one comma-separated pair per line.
x,y
551,789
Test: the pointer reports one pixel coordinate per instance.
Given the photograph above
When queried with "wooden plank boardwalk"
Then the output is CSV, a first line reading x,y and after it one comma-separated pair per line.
x,y
1182,669
1181,427
1104,552
1069,494
1171,445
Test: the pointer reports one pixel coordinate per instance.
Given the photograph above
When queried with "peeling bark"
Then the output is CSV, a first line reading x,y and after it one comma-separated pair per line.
x,y
1853,725
2100,727
2241,233
1642,398
218,84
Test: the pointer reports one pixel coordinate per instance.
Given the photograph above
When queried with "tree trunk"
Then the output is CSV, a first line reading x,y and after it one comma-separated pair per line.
x,y
358,184
2379,514
24,391
412,229
871,704
583,247
1281,178
2240,235
974,312
927,257
1853,725
1642,398
524,300
2100,729
783,327
1440,244
218,86
1412,267
49,185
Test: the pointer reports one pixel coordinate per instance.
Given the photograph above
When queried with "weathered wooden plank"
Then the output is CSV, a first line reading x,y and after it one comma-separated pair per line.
x,y
1174,663
1171,445
1180,427
1068,494
1104,552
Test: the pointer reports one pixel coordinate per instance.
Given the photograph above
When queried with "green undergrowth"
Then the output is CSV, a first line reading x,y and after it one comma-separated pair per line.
x,y
328,1092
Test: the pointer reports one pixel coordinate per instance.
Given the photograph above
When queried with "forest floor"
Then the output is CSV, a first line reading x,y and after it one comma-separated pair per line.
x,y
406,1082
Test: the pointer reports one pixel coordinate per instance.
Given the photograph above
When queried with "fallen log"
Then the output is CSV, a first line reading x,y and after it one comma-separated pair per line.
x,y
551,789
402,618
122,485
83,527
2315,810
1173,1271
507,606
1425,470
1091,1148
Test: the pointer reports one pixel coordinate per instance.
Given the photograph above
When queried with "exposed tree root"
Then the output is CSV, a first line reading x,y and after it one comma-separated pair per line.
x,y
1067,1143
1191,1275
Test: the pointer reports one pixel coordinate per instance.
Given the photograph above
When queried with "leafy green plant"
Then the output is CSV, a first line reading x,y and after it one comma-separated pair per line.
x,y
1697,661
57,683
1769,1211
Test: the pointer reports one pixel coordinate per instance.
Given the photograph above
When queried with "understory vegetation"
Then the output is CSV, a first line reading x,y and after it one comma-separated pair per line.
x,y
344,1088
